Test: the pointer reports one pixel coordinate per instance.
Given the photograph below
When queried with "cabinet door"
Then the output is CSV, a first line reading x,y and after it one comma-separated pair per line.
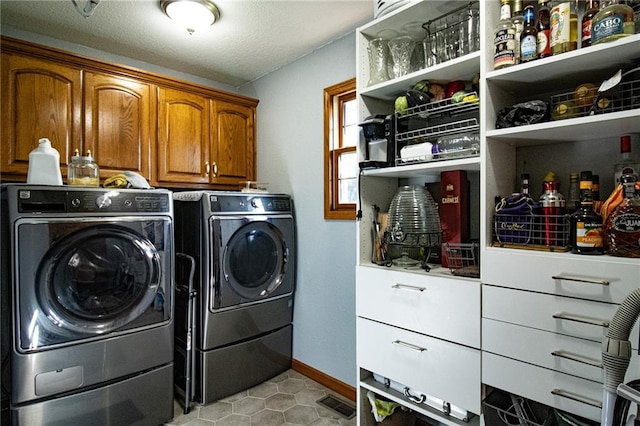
x,y
117,123
40,99
233,155
183,137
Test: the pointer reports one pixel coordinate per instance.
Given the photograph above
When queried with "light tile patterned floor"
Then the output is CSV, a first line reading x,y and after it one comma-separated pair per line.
x,y
288,399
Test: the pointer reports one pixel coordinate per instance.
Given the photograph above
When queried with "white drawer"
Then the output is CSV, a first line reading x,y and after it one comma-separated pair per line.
x,y
554,273
557,314
432,366
447,308
565,354
539,384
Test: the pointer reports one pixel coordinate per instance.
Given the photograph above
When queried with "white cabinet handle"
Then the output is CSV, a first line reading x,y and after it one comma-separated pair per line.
x,y
576,318
575,397
577,358
409,345
408,287
580,280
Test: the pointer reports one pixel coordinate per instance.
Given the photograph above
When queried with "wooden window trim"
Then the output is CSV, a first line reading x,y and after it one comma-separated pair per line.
x,y
331,210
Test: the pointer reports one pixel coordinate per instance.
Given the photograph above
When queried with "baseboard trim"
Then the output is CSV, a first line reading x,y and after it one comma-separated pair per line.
x,y
339,387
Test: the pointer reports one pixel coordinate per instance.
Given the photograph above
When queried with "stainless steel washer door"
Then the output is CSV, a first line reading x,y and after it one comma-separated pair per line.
x,y
256,260
85,280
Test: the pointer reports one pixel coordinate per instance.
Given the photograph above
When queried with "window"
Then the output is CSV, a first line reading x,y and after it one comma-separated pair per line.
x,y
341,135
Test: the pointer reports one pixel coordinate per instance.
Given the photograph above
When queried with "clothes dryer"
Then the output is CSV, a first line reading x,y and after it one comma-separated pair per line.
x,y
244,247
91,287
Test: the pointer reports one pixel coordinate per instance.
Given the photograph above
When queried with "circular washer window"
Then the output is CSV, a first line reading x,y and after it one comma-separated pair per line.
x,y
99,279
255,260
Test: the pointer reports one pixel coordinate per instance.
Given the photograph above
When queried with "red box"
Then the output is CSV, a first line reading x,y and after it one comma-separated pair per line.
x,y
454,208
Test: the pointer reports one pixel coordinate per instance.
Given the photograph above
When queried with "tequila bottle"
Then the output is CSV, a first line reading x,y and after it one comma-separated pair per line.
x,y
612,22
622,228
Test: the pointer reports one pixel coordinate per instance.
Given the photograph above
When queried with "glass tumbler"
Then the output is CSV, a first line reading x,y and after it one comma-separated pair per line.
x,y
378,61
401,49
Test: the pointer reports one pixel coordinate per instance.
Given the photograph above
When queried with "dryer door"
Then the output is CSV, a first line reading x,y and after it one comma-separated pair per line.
x,y
256,261
86,279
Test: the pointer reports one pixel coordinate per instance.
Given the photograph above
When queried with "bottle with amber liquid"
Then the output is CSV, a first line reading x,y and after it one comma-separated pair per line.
x,y
544,29
529,36
585,230
622,228
564,28
592,7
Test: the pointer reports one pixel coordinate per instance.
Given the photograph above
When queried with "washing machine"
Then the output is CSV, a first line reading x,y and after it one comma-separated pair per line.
x,y
245,254
91,291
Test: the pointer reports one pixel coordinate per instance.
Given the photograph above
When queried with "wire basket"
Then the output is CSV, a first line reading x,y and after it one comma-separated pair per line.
x,y
462,259
533,231
587,101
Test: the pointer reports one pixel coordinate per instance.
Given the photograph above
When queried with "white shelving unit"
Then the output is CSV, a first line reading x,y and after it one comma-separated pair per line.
x,y
513,335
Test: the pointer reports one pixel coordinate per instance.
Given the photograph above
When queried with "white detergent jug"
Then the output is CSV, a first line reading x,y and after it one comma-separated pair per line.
x,y
44,165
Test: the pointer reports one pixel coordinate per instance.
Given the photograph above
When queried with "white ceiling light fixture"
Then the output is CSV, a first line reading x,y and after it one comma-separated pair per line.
x,y
191,14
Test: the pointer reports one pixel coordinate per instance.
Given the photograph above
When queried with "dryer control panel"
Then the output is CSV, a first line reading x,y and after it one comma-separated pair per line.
x,y
258,204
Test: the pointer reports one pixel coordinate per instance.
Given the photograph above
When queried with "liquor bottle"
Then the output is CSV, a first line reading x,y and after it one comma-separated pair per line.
x,y
586,230
517,18
563,28
595,187
622,227
615,20
544,27
626,164
592,7
573,196
553,209
504,40
529,36
524,183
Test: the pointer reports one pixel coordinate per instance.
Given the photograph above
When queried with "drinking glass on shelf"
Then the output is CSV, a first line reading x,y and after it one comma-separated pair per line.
x,y
401,49
378,61
441,50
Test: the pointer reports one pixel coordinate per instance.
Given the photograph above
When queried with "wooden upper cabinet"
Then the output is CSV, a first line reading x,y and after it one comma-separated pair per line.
x,y
40,99
184,137
118,123
233,151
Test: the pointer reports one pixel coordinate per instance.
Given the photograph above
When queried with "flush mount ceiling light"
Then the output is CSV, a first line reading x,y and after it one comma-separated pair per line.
x,y
191,14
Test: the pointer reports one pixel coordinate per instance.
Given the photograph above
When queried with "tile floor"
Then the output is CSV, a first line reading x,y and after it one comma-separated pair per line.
x,y
288,399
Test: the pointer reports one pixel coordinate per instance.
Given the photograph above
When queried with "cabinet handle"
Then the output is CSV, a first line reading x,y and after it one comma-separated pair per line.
x,y
580,280
207,169
409,345
408,287
577,358
215,169
582,320
575,397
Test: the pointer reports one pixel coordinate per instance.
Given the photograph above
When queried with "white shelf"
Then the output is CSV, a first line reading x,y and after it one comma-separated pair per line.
x,y
430,170
462,68
570,130
581,61
392,395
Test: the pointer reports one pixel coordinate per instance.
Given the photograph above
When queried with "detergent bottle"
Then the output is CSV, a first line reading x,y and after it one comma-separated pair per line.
x,y
44,165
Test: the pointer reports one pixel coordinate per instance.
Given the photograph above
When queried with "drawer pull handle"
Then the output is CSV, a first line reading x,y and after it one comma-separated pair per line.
x,y
408,287
578,398
569,317
577,358
580,280
409,345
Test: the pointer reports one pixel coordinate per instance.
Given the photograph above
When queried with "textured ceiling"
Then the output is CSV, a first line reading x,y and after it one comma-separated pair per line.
x,y
251,39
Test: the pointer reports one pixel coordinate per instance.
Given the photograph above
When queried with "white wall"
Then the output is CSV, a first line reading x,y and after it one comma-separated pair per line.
x,y
290,148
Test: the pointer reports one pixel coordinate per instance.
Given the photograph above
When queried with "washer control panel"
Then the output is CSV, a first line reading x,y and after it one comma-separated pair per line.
x,y
100,200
